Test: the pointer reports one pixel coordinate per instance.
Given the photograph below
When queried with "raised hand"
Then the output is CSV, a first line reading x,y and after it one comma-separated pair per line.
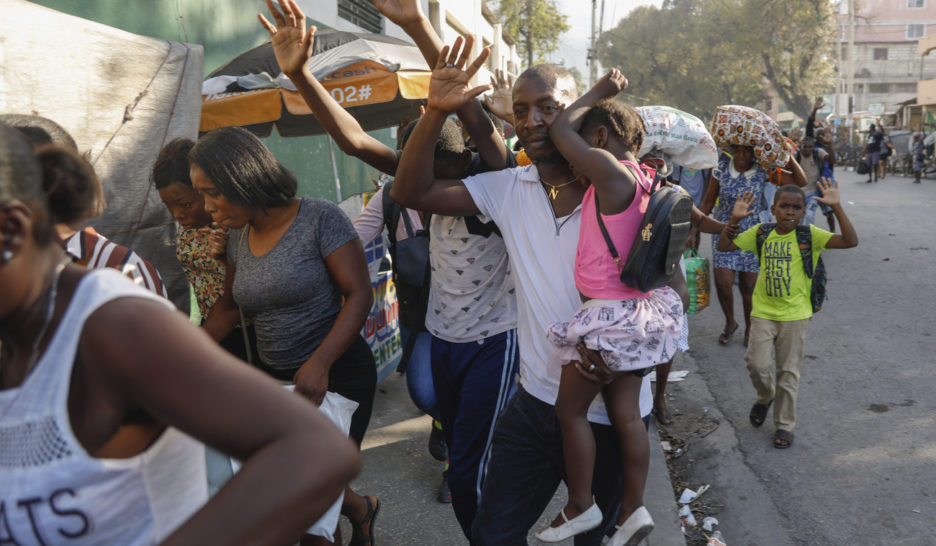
x,y
819,103
830,192
400,12
611,83
742,207
448,87
500,101
292,43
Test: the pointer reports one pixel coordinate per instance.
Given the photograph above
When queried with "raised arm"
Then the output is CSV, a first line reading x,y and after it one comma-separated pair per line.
x,y
500,101
416,186
830,196
742,209
811,120
292,44
408,16
600,166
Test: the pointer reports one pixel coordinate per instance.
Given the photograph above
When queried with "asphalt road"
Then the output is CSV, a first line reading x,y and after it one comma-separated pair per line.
x,y
861,470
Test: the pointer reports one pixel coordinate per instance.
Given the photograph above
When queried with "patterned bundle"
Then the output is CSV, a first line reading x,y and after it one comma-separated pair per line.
x,y
743,126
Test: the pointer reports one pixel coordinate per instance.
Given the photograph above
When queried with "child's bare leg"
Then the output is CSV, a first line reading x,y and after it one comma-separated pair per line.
x,y
724,287
746,282
659,398
578,441
622,398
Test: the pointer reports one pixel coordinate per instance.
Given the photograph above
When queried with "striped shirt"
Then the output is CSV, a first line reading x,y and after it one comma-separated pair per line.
x,y
90,249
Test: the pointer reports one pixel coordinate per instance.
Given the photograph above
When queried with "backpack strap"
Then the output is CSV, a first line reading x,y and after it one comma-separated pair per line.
x,y
607,237
804,242
763,231
391,213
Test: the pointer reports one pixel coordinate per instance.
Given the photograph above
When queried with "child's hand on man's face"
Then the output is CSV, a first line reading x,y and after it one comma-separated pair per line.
x,y
830,192
611,83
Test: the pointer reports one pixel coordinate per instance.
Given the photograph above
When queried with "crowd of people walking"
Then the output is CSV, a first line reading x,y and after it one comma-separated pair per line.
x,y
520,339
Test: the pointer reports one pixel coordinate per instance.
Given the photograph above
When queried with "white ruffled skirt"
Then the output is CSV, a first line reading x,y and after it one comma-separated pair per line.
x,y
630,334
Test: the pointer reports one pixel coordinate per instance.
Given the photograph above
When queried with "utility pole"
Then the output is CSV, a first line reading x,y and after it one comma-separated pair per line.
x,y
593,49
851,71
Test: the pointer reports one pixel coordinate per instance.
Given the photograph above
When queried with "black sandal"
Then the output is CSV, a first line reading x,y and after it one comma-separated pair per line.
x,y
759,413
372,509
782,439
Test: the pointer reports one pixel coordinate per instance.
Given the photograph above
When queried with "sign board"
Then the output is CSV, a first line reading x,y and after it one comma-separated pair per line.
x,y
876,109
382,329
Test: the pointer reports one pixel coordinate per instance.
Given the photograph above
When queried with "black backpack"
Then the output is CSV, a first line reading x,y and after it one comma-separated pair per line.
x,y
804,240
410,261
658,245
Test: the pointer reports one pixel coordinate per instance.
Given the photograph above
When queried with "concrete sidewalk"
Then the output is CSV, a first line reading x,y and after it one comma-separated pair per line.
x,y
400,471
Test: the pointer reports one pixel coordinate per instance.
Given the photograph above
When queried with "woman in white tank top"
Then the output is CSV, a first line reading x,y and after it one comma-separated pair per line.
x,y
103,387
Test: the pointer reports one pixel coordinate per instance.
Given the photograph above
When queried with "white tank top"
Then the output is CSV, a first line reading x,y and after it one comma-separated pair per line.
x,y
51,490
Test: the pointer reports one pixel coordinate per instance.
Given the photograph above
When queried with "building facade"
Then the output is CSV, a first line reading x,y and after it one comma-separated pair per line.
x,y
887,64
227,28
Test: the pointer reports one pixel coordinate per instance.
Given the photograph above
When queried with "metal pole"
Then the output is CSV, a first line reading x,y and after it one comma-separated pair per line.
x,y
331,152
851,70
592,51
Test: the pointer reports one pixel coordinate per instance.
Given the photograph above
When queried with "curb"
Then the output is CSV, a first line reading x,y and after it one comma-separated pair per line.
x,y
659,498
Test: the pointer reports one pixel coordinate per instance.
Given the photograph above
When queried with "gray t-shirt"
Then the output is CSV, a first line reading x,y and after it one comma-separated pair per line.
x,y
288,291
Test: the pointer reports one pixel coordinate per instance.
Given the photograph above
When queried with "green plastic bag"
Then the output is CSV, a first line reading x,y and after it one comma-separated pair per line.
x,y
698,273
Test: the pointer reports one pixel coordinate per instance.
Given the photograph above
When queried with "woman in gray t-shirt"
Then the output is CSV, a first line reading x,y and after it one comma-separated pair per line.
x,y
300,273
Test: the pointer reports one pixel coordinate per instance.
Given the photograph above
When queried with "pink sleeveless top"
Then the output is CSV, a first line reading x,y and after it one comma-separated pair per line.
x,y
596,274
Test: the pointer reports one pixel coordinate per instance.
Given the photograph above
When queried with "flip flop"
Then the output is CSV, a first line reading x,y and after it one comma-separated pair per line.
x,y
725,337
782,439
759,413
372,509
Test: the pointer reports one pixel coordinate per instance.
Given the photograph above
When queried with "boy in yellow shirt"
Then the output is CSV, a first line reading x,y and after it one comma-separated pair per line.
x,y
782,304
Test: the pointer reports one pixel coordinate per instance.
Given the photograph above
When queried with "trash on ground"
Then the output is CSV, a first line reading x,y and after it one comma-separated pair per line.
x,y
667,446
702,490
673,377
716,540
686,514
688,495
709,523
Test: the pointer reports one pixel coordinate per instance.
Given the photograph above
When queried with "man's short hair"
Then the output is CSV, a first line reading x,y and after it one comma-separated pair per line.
x,y
450,140
555,75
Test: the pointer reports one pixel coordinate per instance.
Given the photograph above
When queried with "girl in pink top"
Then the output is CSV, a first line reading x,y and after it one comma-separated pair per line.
x,y
631,330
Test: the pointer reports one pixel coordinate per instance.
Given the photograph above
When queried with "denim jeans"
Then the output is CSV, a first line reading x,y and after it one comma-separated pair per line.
x,y
419,372
526,467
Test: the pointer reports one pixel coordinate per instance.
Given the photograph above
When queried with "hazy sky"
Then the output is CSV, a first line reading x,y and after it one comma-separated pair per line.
x,y
574,44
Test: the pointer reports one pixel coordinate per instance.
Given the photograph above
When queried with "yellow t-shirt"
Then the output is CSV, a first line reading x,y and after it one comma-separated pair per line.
x,y
782,290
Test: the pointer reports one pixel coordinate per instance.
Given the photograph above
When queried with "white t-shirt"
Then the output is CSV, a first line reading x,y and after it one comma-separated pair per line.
x,y
542,260
472,292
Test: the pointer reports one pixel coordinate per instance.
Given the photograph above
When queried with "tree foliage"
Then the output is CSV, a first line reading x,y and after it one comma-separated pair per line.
x,y
698,54
535,24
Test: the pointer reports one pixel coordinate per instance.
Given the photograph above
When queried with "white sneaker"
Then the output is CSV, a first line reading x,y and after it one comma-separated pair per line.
x,y
634,529
586,521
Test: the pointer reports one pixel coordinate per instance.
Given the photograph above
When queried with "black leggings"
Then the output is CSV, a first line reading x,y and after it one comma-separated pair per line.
x,y
354,376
